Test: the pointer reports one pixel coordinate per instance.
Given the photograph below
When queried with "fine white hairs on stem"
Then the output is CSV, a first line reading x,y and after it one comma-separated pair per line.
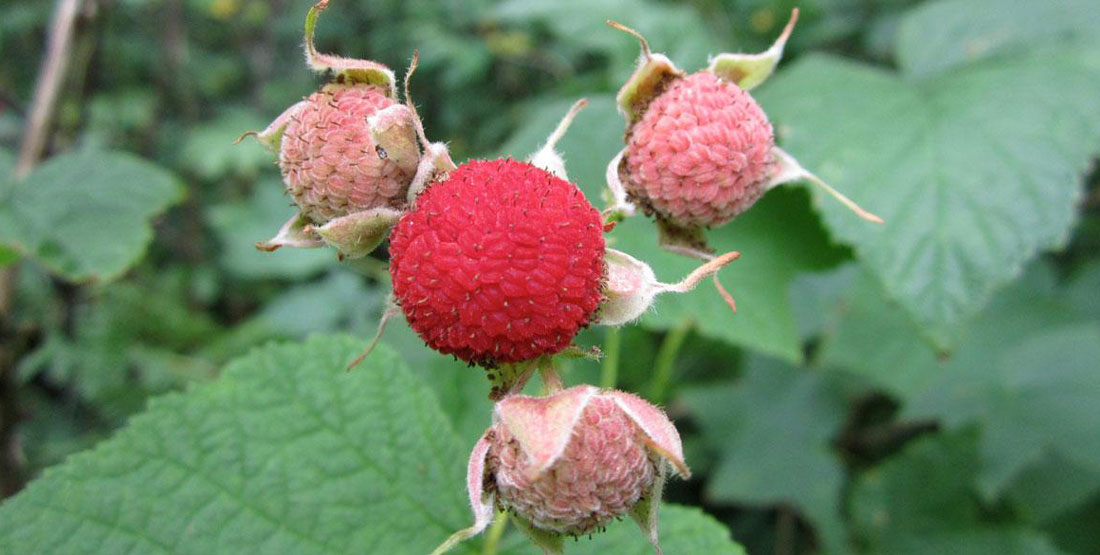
x,y
547,157
647,54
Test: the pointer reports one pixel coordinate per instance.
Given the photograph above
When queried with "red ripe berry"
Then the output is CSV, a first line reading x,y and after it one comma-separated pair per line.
x,y
330,163
701,153
499,262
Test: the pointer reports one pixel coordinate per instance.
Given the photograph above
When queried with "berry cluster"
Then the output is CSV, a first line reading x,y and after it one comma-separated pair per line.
x,y
501,262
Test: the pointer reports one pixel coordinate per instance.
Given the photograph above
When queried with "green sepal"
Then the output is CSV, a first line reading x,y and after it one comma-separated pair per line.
x,y
347,70
357,235
750,70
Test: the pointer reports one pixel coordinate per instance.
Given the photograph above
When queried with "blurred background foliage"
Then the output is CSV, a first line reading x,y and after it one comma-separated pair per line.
x,y
932,387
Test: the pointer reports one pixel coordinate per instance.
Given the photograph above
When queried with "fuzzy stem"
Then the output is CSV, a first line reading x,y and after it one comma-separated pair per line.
x,y
609,370
563,125
409,101
390,311
48,88
666,358
496,531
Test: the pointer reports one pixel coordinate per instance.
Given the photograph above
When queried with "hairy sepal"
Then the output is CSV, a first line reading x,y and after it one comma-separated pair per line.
x,y
632,285
357,235
750,70
481,502
788,170
272,136
296,232
544,425
393,131
649,79
349,70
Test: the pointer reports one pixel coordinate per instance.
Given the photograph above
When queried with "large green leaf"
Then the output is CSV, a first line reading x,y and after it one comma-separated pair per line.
x,y
772,255
1052,486
921,502
774,433
974,170
1037,395
285,453
778,239
872,336
1022,370
940,35
683,530
86,214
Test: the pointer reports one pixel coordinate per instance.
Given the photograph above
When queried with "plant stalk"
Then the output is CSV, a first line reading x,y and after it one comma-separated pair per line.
x,y
609,369
666,358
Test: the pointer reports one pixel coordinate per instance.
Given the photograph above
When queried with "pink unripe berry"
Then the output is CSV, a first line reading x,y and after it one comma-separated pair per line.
x,y
331,165
699,149
701,153
568,463
603,472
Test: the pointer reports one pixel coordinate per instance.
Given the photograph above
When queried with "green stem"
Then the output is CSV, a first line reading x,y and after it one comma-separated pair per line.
x,y
609,369
551,380
666,357
496,531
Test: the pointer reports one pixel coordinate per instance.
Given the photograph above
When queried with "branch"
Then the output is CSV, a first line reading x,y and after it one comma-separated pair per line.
x,y
46,91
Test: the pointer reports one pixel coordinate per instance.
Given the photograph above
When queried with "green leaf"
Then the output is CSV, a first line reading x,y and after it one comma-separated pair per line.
x,y
1021,372
1077,532
870,335
125,341
341,301
774,432
778,239
286,453
1081,290
975,171
1051,487
684,530
920,502
1031,397
462,389
7,256
239,225
938,36
772,255
85,215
